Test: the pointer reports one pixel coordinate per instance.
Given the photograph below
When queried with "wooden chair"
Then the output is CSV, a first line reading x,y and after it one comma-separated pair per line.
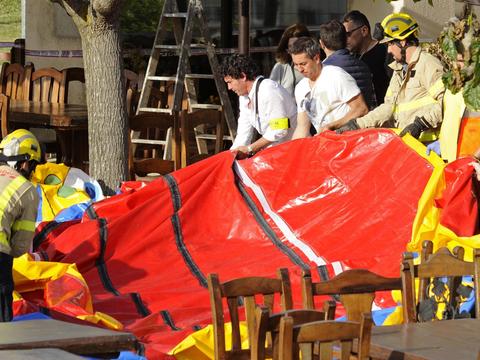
x,y
356,290
440,264
265,342
48,85
248,291
144,166
4,103
132,93
15,80
190,124
328,334
72,74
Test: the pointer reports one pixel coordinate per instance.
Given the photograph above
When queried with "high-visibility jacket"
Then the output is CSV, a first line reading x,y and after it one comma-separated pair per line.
x,y
417,93
18,211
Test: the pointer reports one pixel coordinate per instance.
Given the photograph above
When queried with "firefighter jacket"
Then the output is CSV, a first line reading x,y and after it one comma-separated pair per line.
x,y
418,92
18,211
454,108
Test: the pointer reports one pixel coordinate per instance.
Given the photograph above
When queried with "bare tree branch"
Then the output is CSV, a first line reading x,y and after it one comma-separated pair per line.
x,y
106,7
74,7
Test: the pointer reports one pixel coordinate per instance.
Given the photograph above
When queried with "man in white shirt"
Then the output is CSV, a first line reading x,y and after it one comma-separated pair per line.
x,y
264,106
326,95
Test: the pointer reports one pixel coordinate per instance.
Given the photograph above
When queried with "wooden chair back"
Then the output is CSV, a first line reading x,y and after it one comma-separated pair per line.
x,y
70,75
4,103
190,124
48,85
265,342
244,294
328,334
433,266
132,94
355,288
15,80
143,166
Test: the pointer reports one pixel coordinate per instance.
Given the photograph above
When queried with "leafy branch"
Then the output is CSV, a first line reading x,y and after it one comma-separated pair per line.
x,y
458,48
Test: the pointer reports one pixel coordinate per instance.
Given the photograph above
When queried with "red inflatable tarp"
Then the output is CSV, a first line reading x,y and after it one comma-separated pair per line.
x,y
331,201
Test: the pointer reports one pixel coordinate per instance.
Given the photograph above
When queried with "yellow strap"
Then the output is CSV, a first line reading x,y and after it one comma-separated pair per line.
x,y
279,124
436,88
389,92
414,104
4,240
25,225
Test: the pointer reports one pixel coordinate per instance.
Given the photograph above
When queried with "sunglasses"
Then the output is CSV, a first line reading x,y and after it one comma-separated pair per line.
x,y
353,30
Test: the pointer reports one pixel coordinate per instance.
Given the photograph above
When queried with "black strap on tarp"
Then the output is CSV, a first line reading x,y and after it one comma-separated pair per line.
x,y
289,252
177,230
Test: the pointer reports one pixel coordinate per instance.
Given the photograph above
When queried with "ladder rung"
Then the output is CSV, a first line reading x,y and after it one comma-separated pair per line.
x,y
155,110
206,106
178,47
212,137
175,15
161,78
199,76
149,142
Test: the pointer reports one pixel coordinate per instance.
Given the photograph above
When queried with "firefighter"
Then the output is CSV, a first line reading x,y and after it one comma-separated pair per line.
x,y
19,154
413,101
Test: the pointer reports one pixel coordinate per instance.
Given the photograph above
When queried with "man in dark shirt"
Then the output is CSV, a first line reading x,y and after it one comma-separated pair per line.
x,y
372,53
333,40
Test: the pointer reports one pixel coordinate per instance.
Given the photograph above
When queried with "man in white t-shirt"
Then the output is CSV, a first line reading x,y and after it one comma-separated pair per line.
x,y
264,106
326,95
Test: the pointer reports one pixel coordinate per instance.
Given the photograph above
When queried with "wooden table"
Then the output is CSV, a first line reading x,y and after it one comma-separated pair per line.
x,y
38,354
65,119
439,340
74,338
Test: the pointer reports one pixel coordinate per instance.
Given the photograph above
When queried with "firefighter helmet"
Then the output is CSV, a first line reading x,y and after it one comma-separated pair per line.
x,y
20,145
398,26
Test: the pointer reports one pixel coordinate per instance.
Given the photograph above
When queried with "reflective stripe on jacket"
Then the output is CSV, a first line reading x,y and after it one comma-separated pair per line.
x,y
454,108
18,212
418,93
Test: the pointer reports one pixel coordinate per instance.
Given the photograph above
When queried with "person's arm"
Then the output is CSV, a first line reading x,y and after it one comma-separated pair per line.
x,y
246,151
244,129
358,108
23,227
303,126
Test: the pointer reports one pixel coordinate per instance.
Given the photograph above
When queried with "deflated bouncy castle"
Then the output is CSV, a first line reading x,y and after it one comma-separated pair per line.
x,y
138,261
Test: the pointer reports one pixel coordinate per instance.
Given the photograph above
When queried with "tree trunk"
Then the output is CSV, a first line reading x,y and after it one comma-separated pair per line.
x,y
98,22
107,127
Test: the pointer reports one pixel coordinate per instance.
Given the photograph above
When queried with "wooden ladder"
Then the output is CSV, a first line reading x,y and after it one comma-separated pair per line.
x,y
182,25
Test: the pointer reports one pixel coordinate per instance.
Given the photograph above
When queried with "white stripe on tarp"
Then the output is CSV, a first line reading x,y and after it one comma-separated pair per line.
x,y
280,222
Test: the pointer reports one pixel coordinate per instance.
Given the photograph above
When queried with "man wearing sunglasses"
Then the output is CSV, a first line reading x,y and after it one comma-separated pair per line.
x,y
413,101
370,51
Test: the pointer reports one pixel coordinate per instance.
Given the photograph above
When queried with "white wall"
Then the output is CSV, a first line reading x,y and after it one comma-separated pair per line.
x,y
430,18
47,26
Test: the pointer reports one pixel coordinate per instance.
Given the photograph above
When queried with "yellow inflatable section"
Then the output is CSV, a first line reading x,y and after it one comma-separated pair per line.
x,y
63,287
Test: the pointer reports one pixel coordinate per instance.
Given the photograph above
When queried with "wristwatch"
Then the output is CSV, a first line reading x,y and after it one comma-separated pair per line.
x,y
250,150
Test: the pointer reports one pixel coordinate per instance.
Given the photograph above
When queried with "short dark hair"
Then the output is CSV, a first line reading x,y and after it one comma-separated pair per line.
x,y
237,64
307,45
357,18
333,35
295,30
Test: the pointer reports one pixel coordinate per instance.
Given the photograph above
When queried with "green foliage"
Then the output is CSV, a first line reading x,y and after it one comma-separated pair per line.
x,y
10,20
140,16
458,47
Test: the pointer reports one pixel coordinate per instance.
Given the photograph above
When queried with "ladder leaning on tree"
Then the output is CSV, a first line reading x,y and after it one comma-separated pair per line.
x,y
182,25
